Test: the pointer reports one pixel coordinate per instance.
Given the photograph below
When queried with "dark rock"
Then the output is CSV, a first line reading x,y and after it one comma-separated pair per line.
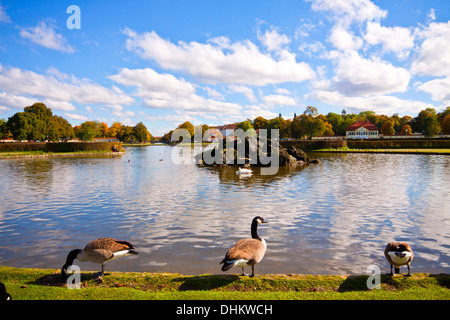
x,y
250,151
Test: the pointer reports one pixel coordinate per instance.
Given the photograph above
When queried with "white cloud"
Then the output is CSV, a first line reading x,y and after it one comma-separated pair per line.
x,y
213,93
220,60
356,75
4,17
398,40
434,52
73,116
248,92
312,49
273,41
44,34
344,40
15,101
431,15
381,104
20,87
279,100
282,91
439,89
167,92
346,12
153,85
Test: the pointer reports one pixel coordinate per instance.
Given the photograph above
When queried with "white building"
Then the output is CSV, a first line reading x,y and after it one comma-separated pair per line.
x,y
362,130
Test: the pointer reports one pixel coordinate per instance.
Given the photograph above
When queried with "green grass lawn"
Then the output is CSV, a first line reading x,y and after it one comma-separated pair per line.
x,y
406,151
46,284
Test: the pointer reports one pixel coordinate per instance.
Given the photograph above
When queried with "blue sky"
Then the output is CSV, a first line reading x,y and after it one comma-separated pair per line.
x,y
216,62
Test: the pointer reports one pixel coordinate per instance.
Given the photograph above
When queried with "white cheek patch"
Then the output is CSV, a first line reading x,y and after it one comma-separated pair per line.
x,y
399,260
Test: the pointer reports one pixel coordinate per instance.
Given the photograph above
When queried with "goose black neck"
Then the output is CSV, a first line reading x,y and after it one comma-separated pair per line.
x,y
71,256
254,230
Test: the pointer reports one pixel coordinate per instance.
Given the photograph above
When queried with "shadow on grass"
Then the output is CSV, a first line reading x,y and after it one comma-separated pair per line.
x,y
442,279
205,282
55,279
354,283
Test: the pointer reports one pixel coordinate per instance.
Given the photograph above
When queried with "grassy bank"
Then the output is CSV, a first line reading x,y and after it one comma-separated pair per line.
x,y
393,151
45,284
43,154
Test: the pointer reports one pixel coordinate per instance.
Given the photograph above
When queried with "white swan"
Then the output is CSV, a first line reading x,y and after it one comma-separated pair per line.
x,y
244,171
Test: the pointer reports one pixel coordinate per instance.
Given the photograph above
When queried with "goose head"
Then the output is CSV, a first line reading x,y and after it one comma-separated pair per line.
x,y
69,261
260,220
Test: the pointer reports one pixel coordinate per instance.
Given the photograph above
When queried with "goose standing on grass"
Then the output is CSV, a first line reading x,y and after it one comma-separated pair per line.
x,y
100,251
3,294
246,252
399,254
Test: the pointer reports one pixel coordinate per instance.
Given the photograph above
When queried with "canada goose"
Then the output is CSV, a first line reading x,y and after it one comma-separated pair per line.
x,y
101,251
399,254
246,252
3,294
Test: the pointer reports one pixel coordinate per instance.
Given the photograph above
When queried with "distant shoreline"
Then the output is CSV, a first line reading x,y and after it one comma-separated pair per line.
x,y
17,155
386,151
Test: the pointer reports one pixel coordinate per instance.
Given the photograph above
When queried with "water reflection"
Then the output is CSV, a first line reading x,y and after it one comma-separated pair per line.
x,y
335,217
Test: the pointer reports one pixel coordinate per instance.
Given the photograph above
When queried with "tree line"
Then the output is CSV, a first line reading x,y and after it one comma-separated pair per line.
x,y
37,123
311,124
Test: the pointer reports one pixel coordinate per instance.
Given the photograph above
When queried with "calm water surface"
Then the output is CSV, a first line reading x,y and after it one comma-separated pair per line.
x,y
332,218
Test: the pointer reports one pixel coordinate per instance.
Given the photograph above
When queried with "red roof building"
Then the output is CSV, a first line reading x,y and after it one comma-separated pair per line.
x,y
362,130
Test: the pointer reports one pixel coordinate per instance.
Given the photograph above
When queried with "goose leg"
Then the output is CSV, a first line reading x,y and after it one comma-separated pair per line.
x,y
243,272
253,271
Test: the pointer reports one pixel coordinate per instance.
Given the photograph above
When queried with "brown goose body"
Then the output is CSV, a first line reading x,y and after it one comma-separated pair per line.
x,y
100,250
246,252
399,254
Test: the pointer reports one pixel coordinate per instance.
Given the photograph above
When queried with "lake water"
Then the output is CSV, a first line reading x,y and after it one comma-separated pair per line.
x,y
331,218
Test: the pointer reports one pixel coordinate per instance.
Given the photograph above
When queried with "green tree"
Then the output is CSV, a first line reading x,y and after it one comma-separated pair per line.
x,y
21,125
59,129
311,126
141,133
89,130
125,134
189,127
245,125
260,123
406,130
328,129
387,129
115,129
4,131
296,131
103,130
285,128
445,126
418,123
431,126
336,120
